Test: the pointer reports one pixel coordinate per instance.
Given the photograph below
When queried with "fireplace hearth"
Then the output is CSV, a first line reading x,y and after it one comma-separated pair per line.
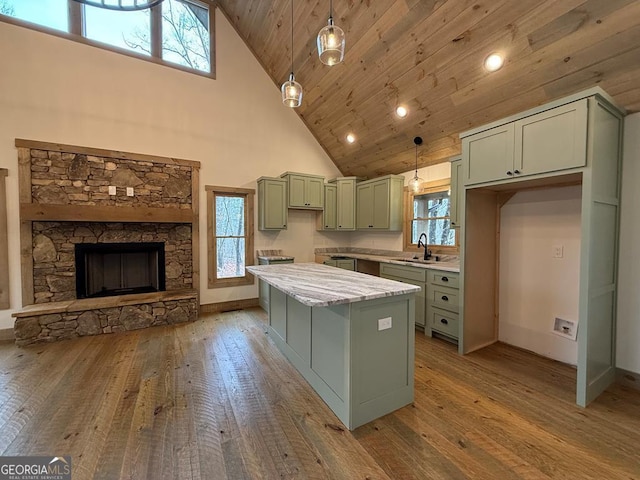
x,y
109,269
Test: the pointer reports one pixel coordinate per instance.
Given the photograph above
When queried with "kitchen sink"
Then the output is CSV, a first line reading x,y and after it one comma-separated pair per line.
x,y
415,260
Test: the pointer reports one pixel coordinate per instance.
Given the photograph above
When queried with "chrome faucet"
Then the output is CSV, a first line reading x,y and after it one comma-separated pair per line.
x,y
427,252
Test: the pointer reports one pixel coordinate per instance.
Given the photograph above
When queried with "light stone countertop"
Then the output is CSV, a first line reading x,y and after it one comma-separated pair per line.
x,y
444,266
317,285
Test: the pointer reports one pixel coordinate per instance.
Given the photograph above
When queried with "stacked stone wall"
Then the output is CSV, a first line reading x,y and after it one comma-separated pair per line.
x,y
54,271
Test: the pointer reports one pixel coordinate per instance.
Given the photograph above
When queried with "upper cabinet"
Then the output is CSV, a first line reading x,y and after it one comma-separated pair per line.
x,y
457,191
346,203
379,203
272,203
531,145
327,218
305,191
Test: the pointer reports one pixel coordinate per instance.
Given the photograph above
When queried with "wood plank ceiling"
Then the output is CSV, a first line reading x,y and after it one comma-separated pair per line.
x,y
428,55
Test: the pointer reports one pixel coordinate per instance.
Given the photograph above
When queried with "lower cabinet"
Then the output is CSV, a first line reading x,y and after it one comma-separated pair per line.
x,y
344,263
263,287
413,275
443,303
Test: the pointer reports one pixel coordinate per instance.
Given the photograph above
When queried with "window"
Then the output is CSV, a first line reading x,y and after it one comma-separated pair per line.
x,y
176,32
48,13
229,235
427,211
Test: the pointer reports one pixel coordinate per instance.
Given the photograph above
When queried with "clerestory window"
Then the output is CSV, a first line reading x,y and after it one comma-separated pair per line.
x,y
178,33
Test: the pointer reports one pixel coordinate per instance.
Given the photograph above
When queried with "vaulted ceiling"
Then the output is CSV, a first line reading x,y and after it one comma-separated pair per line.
x,y
428,55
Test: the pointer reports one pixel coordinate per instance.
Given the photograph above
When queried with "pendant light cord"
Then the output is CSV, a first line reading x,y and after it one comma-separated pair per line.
x,y
292,37
416,159
331,9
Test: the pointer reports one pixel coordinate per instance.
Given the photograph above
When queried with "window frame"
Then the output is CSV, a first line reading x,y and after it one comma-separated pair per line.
x,y
426,187
249,194
76,34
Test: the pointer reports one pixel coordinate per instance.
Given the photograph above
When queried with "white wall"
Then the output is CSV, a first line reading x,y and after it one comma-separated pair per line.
x,y
393,240
56,90
628,337
535,287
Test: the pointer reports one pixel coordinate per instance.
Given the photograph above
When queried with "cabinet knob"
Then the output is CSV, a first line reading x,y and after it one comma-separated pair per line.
x,y
517,172
326,226
509,172
339,226
453,223
445,298
445,279
444,321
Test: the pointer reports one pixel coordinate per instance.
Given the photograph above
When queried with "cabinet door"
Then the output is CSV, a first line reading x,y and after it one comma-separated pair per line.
x,y
297,186
381,198
272,197
552,140
331,263
457,191
349,264
329,212
346,205
489,155
314,192
364,206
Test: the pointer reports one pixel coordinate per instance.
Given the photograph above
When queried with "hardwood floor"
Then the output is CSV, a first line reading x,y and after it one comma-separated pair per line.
x,y
215,399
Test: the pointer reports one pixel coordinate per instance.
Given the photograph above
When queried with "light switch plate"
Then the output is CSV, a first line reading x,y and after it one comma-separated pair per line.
x,y
112,189
129,191
384,323
558,251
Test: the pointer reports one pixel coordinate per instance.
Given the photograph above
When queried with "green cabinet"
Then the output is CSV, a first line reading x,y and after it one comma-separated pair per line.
x,y
457,191
305,191
344,263
379,203
415,276
443,303
544,142
272,203
346,203
327,221
263,287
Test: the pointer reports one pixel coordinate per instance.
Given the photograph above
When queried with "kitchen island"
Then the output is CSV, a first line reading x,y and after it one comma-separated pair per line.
x,y
350,335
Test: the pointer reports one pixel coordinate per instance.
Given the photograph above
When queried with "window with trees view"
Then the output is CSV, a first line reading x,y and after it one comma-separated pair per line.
x,y
230,235
431,216
428,211
175,32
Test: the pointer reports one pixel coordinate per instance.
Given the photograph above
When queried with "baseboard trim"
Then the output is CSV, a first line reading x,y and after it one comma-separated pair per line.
x,y
627,378
6,335
229,306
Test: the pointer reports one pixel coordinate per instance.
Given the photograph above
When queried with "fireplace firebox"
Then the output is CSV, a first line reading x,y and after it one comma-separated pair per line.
x,y
107,269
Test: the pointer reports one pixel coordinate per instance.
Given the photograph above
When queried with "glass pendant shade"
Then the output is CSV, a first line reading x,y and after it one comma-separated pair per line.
x,y
291,92
416,181
331,42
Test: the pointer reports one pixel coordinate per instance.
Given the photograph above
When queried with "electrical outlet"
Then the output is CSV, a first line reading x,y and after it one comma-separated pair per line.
x,y
129,191
112,189
558,251
384,323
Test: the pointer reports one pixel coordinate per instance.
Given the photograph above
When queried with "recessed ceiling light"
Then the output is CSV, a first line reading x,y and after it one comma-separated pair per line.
x,y
402,111
351,138
493,62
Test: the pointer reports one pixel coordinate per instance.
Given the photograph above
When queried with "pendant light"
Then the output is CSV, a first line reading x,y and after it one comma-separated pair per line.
x,y
291,90
416,181
331,41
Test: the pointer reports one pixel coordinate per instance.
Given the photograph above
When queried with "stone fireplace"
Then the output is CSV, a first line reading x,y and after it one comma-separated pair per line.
x,y
98,262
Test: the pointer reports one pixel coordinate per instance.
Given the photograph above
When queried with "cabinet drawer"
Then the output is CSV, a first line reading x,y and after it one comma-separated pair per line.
x,y
411,273
446,279
443,322
445,298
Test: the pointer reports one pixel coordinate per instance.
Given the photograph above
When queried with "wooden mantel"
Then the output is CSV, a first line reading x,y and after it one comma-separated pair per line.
x,y
98,213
